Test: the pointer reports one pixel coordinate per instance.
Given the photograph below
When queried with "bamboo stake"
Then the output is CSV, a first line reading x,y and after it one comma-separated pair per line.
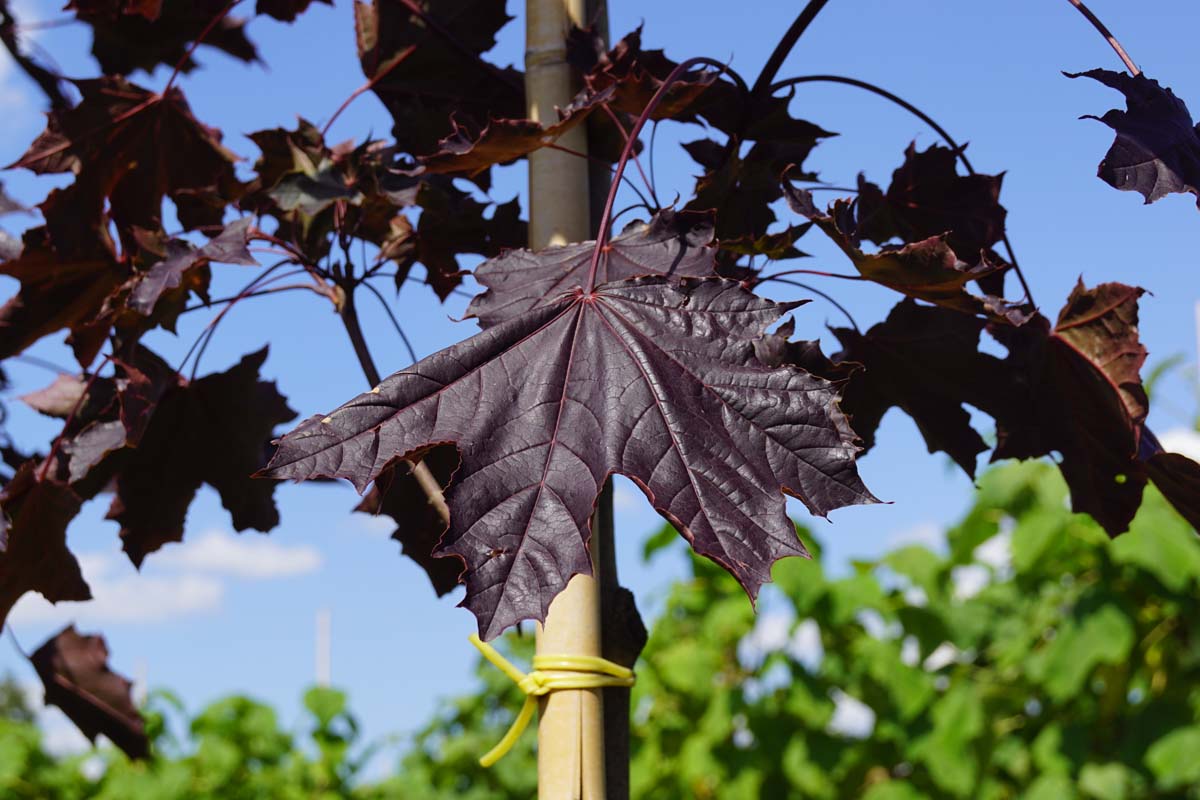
x,y
570,726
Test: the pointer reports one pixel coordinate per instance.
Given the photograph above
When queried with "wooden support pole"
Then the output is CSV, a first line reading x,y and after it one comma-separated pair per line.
x,y
570,726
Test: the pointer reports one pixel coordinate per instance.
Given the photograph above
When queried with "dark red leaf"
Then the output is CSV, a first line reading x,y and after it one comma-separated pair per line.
x,y
60,291
182,258
215,430
925,361
128,35
34,515
129,147
426,67
654,378
451,223
74,669
419,526
1178,478
927,197
1157,148
927,270
285,10
1073,389
469,153
672,243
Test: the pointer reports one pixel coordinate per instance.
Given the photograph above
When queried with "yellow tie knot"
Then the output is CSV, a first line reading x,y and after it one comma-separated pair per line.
x,y
551,673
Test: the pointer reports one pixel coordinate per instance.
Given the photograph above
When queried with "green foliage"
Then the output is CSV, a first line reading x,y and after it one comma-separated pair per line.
x,y
1069,670
1074,672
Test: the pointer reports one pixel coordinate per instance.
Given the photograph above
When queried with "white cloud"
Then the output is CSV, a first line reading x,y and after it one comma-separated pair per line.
x,y
1184,441
851,717
376,525
128,598
627,497
247,556
181,580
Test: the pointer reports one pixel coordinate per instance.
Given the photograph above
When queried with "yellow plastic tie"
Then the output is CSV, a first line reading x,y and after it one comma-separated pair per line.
x,y
550,674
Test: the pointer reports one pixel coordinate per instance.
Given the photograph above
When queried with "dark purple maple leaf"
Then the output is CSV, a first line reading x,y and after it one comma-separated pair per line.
x,y
228,247
927,197
1157,148
74,670
213,430
418,524
927,270
34,515
654,378
1073,388
671,243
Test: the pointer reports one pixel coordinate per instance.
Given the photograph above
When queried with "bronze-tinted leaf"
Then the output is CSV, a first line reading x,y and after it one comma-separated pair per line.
x,y
926,270
74,670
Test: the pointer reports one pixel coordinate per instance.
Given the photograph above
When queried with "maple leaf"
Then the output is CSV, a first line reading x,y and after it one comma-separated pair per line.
x,y
60,291
502,141
631,76
424,61
130,147
169,281
927,270
925,361
1156,151
419,526
451,223
128,36
1178,478
1073,388
654,378
214,430
928,197
75,673
285,10
671,243
34,515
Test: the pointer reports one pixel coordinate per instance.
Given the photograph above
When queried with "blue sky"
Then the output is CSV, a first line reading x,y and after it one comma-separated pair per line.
x,y
225,613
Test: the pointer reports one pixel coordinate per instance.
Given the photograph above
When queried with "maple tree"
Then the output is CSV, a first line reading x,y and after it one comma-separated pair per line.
x,y
646,354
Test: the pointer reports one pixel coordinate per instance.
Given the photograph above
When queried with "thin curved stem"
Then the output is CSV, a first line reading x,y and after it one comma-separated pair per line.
x,y
216,20
762,84
412,353
1107,34
816,272
366,87
606,216
637,162
932,123
820,294
246,290
598,160
292,287
41,362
